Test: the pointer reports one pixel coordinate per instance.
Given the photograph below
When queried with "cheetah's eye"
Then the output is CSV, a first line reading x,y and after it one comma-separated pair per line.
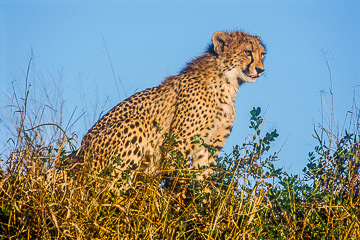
x,y
247,52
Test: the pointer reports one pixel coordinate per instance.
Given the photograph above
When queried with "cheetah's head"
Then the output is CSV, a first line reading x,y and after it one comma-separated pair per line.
x,y
241,55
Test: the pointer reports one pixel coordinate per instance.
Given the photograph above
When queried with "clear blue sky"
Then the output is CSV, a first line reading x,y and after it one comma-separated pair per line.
x,y
149,40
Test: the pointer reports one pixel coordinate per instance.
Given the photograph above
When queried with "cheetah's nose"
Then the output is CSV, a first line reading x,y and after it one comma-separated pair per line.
x,y
259,70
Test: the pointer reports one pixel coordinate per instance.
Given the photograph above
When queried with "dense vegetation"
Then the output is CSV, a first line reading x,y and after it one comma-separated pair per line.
x,y
247,197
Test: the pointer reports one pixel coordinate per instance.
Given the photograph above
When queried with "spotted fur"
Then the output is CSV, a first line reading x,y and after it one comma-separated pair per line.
x,y
199,101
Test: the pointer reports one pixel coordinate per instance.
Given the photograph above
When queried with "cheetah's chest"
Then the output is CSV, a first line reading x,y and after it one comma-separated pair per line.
x,y
226,101
224,105
225,111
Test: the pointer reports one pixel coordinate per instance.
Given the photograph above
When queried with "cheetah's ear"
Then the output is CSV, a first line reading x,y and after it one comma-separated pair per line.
x,y
220,40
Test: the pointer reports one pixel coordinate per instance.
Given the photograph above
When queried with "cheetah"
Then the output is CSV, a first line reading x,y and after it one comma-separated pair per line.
x,y
199,101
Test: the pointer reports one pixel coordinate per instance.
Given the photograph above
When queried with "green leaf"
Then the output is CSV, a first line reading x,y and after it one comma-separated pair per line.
x,y
196,139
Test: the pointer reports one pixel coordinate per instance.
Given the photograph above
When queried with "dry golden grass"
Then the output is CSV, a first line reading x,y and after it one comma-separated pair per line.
x,y
44,197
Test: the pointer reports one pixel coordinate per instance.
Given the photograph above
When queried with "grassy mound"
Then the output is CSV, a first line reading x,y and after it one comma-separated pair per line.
x,y
246,197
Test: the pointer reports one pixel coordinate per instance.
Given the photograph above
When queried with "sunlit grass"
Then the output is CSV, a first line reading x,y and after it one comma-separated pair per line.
x,y
247,197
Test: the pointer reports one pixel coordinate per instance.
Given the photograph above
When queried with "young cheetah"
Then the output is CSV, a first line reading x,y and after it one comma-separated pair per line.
x,y
199,101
